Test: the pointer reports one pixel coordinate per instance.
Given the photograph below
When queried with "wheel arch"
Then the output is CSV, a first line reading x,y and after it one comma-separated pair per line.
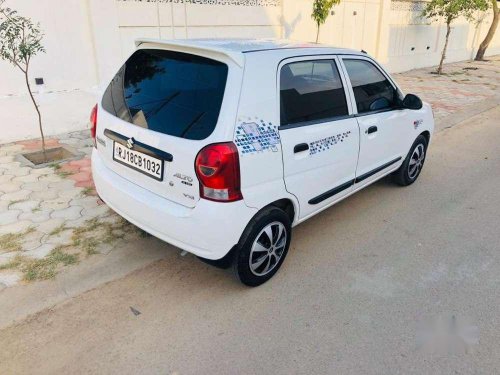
x,y
287,205
427,136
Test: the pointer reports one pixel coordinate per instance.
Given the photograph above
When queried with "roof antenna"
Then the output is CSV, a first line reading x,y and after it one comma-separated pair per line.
x,y
363,51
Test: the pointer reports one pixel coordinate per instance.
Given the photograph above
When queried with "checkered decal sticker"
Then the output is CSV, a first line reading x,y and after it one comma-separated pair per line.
x,y
257,136
327,143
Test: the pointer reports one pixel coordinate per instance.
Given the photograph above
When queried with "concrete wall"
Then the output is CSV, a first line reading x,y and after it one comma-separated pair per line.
x,y
392,31
68,68
87,40
414,42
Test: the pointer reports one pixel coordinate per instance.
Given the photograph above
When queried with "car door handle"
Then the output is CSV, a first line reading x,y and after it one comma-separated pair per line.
x,y
301,147
371,129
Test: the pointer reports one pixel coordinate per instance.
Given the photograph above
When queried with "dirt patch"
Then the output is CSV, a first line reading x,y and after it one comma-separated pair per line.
x,y
49,156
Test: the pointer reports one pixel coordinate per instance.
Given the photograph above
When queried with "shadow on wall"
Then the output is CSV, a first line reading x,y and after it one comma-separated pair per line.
x,y
289,27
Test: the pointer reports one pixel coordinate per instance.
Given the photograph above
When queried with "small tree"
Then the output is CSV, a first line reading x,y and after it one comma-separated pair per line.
x,y
20,40
321,10
450,10
491,32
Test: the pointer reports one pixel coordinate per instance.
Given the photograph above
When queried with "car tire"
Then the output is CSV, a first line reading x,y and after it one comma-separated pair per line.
x,y
409,171
257,256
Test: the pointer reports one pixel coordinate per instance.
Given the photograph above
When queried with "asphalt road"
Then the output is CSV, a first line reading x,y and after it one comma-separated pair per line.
x,y
391,280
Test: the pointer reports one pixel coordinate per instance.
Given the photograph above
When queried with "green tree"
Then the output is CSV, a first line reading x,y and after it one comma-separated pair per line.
x,y
491,32
321,10
450,10
20,40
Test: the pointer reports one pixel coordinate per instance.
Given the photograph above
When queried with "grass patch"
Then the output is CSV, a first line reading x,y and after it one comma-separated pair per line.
x,y
12,264
41,269
89,246
46,268
64,174
85,240
10,242
56,166
14,202
13,241
87,191
88,226
61,228
93,232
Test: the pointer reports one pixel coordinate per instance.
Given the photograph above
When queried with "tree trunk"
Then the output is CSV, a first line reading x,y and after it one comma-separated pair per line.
x,y
491,32
443,55
317,33
37,111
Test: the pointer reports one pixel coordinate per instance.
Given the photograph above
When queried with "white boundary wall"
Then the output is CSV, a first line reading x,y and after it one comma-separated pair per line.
x,y
86,41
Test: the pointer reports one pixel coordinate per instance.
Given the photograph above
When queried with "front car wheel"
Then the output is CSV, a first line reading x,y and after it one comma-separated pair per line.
x,y
409,171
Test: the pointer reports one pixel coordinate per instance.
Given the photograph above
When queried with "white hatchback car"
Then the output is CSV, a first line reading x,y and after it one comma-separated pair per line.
x,y
220,147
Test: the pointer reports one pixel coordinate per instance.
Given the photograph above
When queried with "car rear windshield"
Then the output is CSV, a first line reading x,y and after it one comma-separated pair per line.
x,y
169,92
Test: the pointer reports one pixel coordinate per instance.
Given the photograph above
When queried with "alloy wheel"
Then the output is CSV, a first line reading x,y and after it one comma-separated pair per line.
x,y
268,248
416,161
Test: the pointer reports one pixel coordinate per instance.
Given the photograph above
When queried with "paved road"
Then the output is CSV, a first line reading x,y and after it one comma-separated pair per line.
x,y
361,283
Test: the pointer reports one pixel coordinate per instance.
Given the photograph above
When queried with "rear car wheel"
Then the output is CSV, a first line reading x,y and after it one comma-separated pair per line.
x,y
409,171
263,247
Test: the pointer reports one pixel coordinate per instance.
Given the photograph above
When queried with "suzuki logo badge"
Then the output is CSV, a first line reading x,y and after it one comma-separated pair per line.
x,y
130,143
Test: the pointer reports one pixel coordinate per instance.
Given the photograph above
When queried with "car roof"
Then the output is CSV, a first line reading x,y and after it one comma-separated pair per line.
x,y
235,48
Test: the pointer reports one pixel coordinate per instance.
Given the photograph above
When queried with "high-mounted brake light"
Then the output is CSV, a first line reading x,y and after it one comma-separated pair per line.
x,y
93,124
218,170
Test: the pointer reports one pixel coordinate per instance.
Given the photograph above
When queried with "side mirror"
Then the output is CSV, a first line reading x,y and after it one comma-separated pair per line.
x,y
412,101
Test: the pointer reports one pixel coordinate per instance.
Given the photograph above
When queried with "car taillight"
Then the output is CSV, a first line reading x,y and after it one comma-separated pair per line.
x,y
93,123
218,170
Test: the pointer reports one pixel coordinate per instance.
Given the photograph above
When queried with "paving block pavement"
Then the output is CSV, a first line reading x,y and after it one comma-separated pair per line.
x,y
40,208
462,86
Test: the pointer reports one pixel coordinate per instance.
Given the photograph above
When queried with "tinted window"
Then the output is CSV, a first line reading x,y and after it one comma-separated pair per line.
x,y
169,92
372,90
311,90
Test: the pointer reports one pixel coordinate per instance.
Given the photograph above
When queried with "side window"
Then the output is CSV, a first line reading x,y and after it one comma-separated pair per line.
x,y
311,90
372,90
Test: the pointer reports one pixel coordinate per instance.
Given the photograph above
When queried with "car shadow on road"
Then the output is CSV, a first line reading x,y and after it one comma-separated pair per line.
x,y
330,226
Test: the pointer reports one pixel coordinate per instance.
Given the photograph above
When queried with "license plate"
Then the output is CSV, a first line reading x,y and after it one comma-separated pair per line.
x,y
149,165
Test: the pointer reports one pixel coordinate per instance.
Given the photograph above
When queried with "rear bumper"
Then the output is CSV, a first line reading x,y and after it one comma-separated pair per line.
x,y
208,230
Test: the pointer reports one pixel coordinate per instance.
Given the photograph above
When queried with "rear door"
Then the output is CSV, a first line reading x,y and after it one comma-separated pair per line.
x,y
159,110
384,126
319,137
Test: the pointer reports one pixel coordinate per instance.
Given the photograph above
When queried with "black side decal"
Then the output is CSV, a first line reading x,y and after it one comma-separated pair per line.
x,y
376,170
331,193
348,184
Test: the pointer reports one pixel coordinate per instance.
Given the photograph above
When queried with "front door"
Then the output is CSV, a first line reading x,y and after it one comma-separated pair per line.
x,y
384,125
319,135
